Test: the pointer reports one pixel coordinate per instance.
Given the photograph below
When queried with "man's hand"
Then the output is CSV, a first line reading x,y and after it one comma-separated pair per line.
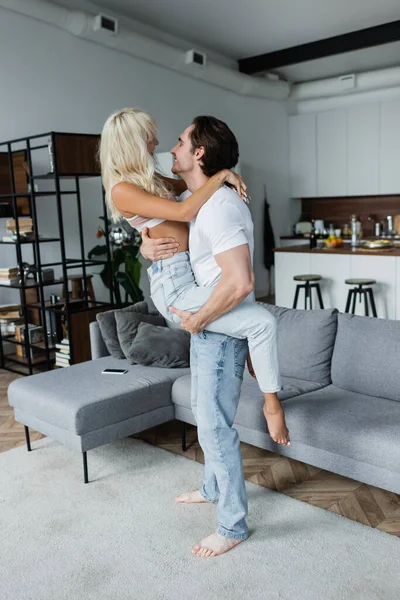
x,y
189,321
250,366
157,249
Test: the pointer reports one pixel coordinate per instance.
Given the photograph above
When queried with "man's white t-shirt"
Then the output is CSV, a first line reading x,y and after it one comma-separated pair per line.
x,y
223,223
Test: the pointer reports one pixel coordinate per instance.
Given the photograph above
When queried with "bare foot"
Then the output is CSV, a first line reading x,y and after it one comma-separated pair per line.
x,y
213,545
191,498
277,425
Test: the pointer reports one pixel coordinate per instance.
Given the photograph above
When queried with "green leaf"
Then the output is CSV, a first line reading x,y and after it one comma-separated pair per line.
x,y
130,287
131,250
97,251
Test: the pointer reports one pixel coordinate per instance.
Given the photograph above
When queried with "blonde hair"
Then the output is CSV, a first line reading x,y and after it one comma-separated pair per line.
x,y
124,156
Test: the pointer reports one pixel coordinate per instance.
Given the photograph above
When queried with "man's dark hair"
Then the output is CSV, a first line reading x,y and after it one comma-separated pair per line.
x,y
221,150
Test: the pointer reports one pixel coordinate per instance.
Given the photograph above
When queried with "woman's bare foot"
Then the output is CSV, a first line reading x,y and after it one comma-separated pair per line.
x,y
191,498
276,425
213,545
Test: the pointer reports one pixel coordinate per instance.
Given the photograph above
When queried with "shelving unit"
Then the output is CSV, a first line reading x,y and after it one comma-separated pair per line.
x,y
70,156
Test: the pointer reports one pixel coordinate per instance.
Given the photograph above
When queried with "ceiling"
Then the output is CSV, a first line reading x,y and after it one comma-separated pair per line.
x,y
237,29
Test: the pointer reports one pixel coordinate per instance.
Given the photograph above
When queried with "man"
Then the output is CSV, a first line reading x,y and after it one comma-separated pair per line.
x,y
221,246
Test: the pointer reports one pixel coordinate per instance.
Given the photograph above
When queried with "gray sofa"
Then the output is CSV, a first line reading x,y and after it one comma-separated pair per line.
x,y
341,396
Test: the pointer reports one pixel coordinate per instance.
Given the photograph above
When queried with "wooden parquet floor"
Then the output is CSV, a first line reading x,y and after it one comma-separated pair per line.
x,y
360,502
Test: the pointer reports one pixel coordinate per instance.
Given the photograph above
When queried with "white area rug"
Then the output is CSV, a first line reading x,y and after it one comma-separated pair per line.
x,y
122,536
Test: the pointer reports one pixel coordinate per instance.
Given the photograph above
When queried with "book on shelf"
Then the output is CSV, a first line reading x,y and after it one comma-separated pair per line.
x,y
64,350
5,308
22,228
35,336
63,344
8,274
13,281
22,221
62,363
64,357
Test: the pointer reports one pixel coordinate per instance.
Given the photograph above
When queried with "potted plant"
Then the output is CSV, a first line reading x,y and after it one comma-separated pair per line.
x,y
125,267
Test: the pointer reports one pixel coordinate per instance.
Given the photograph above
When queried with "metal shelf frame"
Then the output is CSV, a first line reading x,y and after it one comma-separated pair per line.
x,y
65,263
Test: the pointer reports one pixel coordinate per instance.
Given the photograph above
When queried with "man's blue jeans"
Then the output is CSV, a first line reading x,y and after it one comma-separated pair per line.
x,y
217,364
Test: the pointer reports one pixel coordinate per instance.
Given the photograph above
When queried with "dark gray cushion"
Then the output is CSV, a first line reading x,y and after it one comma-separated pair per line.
x,y
305,342
127,325
152,345
367,355
108,327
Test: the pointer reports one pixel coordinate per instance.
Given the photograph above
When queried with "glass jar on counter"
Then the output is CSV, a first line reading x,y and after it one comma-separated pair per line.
x,y
346,230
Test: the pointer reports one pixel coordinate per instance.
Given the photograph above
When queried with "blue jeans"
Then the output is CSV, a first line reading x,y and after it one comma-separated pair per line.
x,y
172,283
217,364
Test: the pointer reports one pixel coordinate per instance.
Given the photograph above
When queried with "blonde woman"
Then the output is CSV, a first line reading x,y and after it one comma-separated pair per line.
x,y
137,193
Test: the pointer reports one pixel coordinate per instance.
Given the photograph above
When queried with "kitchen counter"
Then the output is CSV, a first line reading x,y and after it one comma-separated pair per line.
x,y
345,249
335,265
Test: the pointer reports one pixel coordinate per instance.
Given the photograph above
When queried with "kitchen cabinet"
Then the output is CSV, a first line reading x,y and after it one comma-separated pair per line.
x,y
389,147
332,153
346,152
303,155
363,143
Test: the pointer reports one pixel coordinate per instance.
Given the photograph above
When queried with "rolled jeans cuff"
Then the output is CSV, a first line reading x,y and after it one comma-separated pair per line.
x,y
204,495
232,536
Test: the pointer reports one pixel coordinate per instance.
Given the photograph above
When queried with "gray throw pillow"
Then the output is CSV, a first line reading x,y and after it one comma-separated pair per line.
x,y
305,342
157,346
108,327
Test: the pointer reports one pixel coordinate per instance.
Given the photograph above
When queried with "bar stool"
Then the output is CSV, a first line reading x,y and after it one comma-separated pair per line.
x,y
359,289
78,291
307,286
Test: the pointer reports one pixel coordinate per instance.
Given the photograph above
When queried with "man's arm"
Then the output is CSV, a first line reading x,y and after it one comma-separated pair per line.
x,y
223,226
236,283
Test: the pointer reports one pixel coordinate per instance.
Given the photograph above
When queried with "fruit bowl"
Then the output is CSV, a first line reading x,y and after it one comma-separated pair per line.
x,y
333,243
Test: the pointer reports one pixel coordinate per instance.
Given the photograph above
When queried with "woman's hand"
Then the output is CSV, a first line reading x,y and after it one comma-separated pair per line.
x,y
236,181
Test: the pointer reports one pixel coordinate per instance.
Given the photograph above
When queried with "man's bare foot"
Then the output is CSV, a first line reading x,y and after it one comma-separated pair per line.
x,y
277,425
213,545
191,498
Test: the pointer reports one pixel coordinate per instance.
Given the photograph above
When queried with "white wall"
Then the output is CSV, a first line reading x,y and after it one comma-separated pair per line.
x,y
54,81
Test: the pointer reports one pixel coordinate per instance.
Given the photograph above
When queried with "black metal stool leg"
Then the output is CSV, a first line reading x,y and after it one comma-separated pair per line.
x,y
353,306
296,296
306,293
183,431
372,301
348,302
310,295
321,304
365,294
28,441
85,469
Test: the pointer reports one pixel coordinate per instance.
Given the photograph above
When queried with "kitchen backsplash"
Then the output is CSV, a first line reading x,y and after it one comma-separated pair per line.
x,y
339,210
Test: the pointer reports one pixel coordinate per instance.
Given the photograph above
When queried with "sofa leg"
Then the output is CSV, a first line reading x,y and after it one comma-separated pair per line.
x,y
28,441
183,431
85,469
